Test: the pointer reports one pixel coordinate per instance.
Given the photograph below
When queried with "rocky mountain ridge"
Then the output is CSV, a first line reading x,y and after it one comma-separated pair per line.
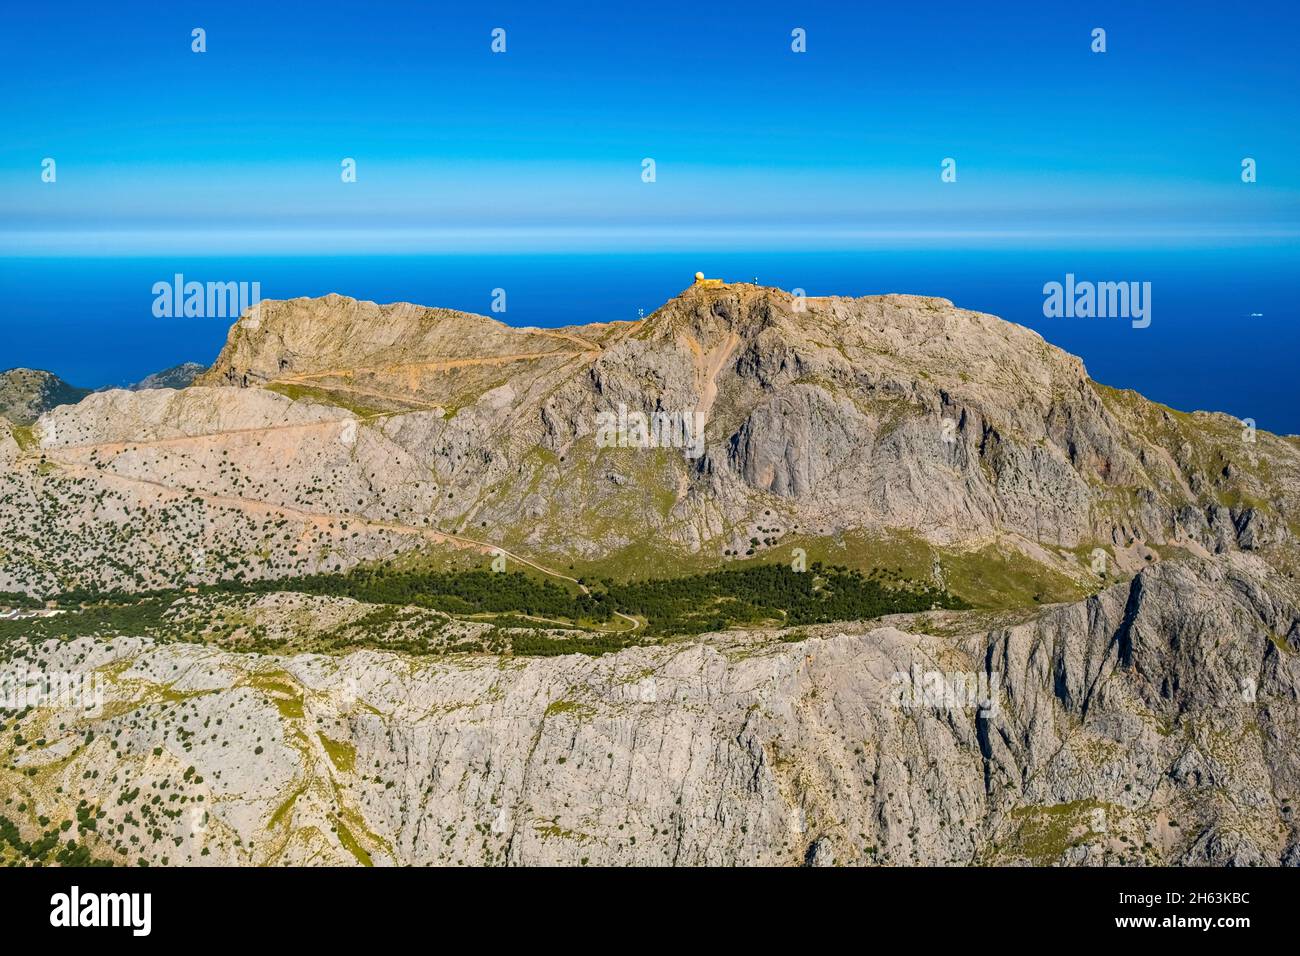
x,y
823,417
178,376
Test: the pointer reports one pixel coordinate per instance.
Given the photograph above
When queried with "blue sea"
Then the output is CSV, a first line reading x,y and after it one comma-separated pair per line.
x,y
1223,334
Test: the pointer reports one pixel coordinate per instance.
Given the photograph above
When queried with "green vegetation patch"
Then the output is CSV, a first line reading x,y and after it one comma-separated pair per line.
x,y
992,577
557,707
343,755
325,396
540,645
123,614
521,608
351,845
771,593
461,593
19,599
1045,832
25,436
47,849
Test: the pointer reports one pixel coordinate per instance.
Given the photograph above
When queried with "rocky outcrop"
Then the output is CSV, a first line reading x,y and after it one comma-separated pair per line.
x,y
178,376
25,394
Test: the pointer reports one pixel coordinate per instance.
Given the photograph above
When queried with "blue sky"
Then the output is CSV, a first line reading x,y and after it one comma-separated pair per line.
x,y
239,148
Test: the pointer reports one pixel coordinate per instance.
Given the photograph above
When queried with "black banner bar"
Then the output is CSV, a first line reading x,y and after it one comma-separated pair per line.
x,y
369,905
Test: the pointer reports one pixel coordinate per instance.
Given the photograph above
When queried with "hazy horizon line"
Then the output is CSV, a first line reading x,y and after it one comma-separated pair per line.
x,y
130,243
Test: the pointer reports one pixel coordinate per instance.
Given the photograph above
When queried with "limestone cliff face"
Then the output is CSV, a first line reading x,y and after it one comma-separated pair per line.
x,y
1152,723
